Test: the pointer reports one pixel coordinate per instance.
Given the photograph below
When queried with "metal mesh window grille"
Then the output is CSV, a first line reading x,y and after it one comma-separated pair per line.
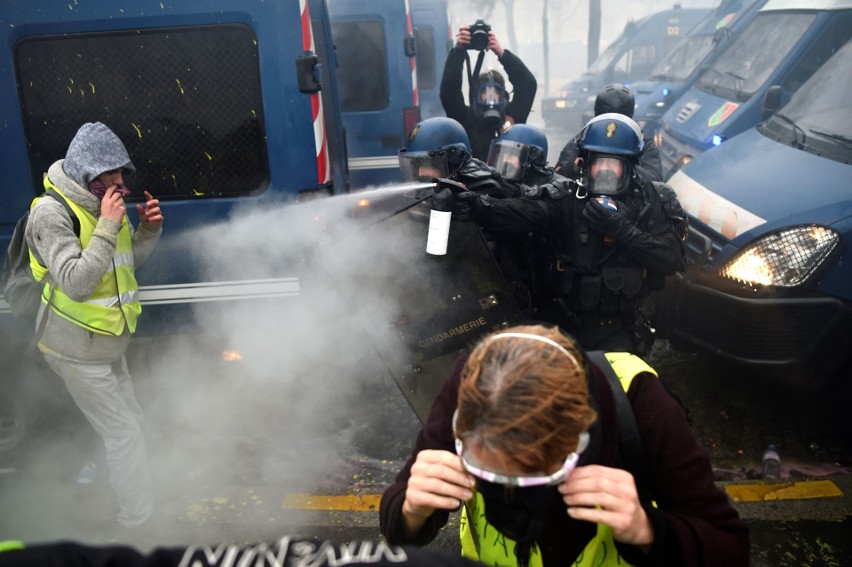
x,y
186,102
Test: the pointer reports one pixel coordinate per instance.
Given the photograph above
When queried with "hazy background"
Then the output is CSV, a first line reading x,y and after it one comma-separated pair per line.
x,y
308,403
567,28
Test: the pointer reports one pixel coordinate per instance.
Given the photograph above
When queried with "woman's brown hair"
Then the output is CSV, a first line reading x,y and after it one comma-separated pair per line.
x,y
525,397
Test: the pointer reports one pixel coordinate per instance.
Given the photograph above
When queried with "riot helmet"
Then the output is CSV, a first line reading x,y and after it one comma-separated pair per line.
x,y
610,145
616,98
491,99
514,152
437,147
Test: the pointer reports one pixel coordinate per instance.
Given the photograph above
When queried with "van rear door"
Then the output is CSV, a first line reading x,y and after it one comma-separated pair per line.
x,y
434,38
377,73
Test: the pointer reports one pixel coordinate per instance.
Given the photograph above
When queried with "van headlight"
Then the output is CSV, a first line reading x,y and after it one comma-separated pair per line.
x,y
783,259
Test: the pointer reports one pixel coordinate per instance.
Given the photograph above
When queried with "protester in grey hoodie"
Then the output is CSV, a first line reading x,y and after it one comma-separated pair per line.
x,y
92,364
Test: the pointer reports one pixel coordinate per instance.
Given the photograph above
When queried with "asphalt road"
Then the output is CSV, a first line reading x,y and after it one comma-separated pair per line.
x,y
270,473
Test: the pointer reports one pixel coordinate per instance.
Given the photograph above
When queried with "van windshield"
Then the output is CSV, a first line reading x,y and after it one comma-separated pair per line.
x,y
821,109
605,58
683,59
749,60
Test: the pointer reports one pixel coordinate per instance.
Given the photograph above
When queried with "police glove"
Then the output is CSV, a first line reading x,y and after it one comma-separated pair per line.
x,y
607,222
468,206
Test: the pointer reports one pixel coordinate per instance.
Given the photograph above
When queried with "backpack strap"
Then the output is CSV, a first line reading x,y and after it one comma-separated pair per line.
x,y
74,220
629,441
48,279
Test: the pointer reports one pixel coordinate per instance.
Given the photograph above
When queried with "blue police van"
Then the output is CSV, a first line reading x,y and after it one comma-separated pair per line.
x,y
379,93
769,280
231,112
641,46
435,38
755,74
221,104
675,74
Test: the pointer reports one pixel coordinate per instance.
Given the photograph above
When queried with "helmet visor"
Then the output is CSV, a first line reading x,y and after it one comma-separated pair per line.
x,y
607,175
509,159
423,166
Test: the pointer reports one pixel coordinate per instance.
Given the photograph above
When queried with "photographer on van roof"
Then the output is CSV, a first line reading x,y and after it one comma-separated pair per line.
x,y
492,111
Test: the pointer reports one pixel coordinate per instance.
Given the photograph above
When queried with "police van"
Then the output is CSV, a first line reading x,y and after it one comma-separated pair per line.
x,y
220,104
435,38
629,58
230,112
675,74
379,93
755,74
769,280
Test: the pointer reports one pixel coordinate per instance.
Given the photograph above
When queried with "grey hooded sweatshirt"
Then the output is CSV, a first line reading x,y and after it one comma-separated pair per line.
x,y
77,271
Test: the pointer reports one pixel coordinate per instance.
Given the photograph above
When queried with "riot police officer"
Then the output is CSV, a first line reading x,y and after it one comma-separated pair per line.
x,y
439,148
603,244
616,98
520,159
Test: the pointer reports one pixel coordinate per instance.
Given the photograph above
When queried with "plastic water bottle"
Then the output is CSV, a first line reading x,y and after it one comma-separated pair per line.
x,y
771,463
87,473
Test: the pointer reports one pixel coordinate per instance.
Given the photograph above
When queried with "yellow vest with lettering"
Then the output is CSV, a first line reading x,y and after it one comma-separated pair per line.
x,y
114,303
482,542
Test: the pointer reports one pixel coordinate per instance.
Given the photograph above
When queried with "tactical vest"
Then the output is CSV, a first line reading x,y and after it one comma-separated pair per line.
x,y
589,271
482,542
114,303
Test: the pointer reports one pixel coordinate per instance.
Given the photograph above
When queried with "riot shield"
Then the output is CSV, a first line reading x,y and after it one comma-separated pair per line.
x,y
445,303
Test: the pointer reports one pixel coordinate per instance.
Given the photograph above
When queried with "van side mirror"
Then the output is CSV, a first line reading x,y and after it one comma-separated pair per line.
x,y
410,46
771,102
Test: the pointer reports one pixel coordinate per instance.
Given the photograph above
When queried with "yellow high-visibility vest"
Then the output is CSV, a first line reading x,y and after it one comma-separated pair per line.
x,y
115,301
482,542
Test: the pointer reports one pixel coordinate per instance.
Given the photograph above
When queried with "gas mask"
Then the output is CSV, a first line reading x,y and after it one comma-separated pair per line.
x,y
491,104
520,506
607,175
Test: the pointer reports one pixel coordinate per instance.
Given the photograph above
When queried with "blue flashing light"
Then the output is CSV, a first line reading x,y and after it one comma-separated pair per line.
x,y
717,139
665,91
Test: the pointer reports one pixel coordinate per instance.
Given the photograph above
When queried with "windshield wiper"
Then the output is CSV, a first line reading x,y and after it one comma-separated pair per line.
x,y
838,137
796,128
738,86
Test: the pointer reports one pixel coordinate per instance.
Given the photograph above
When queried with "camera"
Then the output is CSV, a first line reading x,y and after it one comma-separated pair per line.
x,y
479,35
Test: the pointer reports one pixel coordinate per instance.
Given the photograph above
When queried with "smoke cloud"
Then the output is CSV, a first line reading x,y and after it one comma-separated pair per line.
x,y
308,399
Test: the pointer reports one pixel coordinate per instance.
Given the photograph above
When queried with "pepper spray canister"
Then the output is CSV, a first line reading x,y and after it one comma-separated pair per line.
x,y
439,222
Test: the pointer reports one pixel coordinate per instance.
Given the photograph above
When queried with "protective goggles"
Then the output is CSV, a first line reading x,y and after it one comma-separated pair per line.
x,y
423,166
536,479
